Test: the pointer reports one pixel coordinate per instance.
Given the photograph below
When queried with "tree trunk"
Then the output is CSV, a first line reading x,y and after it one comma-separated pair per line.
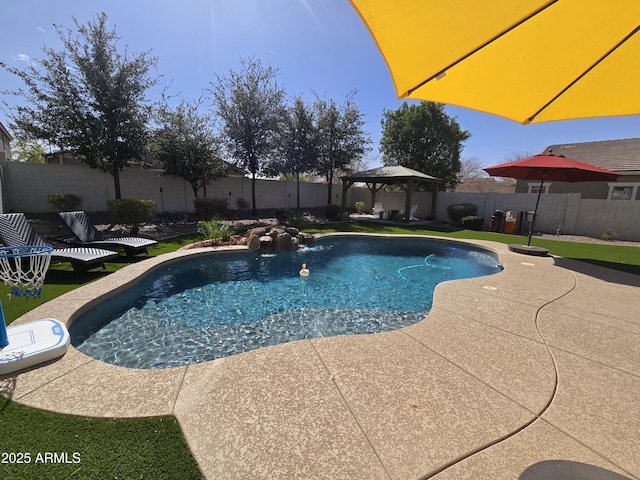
x,y
298,192
253,194
330,184
116,182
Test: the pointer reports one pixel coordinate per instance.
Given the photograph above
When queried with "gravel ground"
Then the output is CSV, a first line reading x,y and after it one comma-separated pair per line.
x,y
577,238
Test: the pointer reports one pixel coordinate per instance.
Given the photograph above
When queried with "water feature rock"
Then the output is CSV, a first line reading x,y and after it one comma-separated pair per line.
x,y
266,243
278,238
305,238
282,242
253,243
258,232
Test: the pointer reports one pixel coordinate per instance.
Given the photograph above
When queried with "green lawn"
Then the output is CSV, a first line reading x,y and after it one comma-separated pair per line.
x,y
154,448
150,448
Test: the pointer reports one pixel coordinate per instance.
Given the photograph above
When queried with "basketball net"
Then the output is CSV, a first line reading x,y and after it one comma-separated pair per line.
x,y
23,269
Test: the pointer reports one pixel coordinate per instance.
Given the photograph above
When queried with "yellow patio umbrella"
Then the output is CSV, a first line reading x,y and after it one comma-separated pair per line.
x,y
526,60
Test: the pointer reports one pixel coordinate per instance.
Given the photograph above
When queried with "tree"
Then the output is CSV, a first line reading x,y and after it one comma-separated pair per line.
x,y
27,150
297,151
341,137
470,168
185,144
423,137
88,99
250,105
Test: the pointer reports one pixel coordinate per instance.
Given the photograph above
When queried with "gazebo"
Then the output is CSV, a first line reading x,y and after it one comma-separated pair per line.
x,y
377,178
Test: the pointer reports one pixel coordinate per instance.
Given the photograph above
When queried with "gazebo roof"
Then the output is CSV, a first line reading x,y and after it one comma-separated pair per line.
x,y
390,174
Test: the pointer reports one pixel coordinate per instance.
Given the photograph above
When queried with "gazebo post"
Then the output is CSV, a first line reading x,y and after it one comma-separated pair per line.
x,y
345,187
407,202
373,191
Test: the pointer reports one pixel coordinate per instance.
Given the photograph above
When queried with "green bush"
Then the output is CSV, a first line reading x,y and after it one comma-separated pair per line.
x,y
242,204
458,211
64,202
215,229
332,212
297,220
472,222
132,212
283,215
209,207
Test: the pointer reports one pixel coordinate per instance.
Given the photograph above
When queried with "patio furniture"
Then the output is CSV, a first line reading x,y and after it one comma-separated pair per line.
x,y
377,209
16,231
412,213
86,234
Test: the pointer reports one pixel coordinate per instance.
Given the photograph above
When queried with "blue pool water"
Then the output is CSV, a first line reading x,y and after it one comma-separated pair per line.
x,y
213,306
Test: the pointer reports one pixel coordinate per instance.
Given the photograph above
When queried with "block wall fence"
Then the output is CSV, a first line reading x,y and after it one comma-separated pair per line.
x,y
24,187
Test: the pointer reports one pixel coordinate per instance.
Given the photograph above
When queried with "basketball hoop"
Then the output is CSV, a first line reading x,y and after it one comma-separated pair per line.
x,y
24,268
28,344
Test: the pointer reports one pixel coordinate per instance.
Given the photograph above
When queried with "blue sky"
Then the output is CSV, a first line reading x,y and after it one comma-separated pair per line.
x,y
318,46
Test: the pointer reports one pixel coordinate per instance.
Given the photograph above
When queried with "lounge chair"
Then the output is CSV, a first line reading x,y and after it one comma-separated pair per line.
x,y
86,234
16,231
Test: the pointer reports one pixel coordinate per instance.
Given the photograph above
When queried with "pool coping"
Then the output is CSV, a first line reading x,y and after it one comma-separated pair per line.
x,y
537,362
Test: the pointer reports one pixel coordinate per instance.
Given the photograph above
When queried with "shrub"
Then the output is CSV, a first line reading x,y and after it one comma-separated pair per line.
x,y
209,207
132,212
215,229
297,220
472,222
458,211
64,202
242,204
360,207
332,212
283,215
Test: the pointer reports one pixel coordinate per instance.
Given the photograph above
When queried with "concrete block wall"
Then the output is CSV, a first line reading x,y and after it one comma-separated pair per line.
x,y
570,213
24,187
597,216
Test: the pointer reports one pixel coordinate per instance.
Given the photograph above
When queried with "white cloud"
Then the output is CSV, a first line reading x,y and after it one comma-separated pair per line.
x,y
42,30
23,57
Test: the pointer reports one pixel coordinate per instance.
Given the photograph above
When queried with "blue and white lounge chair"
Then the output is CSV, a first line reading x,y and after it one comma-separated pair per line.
x,y
86,234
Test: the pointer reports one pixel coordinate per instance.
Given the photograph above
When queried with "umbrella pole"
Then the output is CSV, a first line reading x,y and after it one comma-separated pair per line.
x,y
535,210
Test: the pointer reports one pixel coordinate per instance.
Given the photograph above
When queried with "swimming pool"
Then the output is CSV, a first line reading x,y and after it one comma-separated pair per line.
x,y
213,306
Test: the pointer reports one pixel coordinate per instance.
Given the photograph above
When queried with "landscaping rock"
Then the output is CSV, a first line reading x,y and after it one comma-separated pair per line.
x,y
253,243
305,238
266,243
258,232
282,242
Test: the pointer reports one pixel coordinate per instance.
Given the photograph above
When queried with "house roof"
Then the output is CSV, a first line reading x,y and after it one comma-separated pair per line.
x,y
617,155
5,132
390,174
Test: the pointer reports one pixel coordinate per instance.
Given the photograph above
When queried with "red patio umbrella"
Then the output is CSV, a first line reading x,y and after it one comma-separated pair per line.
x,y
552,167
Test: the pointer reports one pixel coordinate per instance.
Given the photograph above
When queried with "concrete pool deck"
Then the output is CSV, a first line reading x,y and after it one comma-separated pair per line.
x,y
538,362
